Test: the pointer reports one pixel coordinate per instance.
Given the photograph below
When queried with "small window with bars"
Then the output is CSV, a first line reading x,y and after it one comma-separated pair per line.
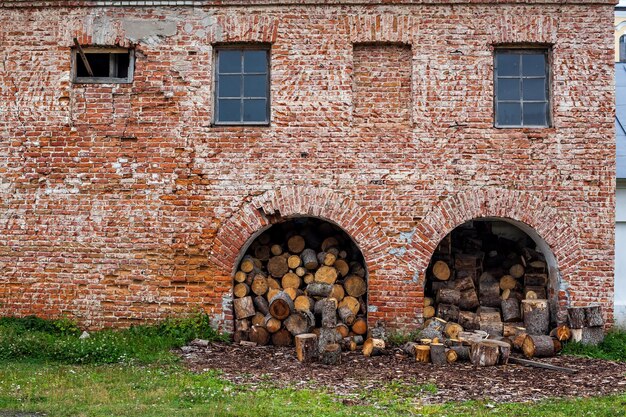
x,y
242,86
522,91
96,65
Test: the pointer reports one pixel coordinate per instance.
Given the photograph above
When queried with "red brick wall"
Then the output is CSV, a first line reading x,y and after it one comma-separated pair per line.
x,y
121,203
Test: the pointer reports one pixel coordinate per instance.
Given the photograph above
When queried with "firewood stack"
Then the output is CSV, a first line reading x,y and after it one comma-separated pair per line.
x,y
587,324
485,282
293,282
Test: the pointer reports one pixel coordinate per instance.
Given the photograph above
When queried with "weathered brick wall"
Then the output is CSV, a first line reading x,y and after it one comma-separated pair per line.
x,y
122,203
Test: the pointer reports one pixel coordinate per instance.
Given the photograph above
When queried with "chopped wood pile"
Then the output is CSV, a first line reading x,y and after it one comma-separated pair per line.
x,y
481,281
587,324
300,278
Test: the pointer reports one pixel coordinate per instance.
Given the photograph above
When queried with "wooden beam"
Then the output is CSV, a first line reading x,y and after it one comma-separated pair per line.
x,y
83,57
535,364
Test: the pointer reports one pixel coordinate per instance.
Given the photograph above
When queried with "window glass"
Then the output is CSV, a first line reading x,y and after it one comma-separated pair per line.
x,y
229,110
509,114
508,64
254,110
508,89
230,86
255,61
230,61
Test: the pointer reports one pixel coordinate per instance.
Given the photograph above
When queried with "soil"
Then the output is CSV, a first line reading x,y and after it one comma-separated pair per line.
x,y
278,367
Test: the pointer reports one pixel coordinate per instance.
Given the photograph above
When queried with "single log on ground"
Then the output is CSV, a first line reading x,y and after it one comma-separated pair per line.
x,y
306,347
593,316
326,275
538,346
448,296
469,320
561,333
576,317
291,280
355,286
422,353
441,271
318,289
373,347
337,292
359,326
452,330
277,266
331,354
507,282
451,355
342,267
309,259
346,315
463,353
485,353
272,324
350,302
536,316
244,307
448,312
295,244
259,335
510,310
282,338
438,354
281,306
433,328
299,322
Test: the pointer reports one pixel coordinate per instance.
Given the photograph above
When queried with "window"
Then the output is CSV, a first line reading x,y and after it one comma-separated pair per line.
x,y
622,48
522,88
242,86
102,65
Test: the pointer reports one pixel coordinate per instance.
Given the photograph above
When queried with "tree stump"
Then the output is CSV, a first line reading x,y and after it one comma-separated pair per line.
x,y
306,347
331,354
422,353
536,316
438,354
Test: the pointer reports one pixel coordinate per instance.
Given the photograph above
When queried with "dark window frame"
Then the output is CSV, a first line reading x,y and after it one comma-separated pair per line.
x,y
524,50
216,106
622,48
103,80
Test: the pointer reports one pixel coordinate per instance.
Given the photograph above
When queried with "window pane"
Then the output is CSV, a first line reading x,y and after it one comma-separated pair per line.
x,y
534,88
255,86
229,85
230,61
509,114
508,89
534,64
534,114
229,110
508,64
254,111
99,64
255,61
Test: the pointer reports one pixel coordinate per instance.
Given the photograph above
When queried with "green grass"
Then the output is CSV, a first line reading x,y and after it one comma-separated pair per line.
x,y
612,348
58,340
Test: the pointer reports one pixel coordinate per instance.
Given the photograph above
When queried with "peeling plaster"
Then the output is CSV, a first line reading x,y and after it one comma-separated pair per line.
x,y
148,31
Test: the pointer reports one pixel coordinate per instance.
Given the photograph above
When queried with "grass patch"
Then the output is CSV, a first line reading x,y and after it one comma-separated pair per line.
x,y
612,348
35,339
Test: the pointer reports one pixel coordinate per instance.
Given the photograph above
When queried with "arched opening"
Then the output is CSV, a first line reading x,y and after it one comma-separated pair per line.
x,y
487,271
300,275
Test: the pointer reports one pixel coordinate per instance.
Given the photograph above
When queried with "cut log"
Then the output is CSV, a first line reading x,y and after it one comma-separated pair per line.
x,y
576,317
299,322
329,242
359,326
448,296
293,293
296,244
561,333
318,289
258,319
282,338
452,330
329,259
337,292
241,290
248,263
240,336
540,293
469,299
588,335
273,283
300,271
294,261
276,250
463,353
346,315
507,282
438,354
468,320
464,283
516,271
422,353
518,341
409,348
259,335
441,271
349,343
352,303
262,252
309,259
485,353
281,306
451,356
505,294
535,280
291,280
259,284
513,329
303,303
308,278
240,276
272,324
429,311
489,290
326,275
428,301
538,346
331,355
277,266
243,324
373,347
306,347
448,312
511,310
536,316
328,310
327,336
261,305
433,328
355,286
593,316
342,267
357,269
244,307
343,330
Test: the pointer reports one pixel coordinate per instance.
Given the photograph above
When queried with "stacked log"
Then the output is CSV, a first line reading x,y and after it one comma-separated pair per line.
x,y
586,324
296,282
481,281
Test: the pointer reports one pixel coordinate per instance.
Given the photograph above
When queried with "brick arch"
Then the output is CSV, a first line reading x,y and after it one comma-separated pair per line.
x,y
522,207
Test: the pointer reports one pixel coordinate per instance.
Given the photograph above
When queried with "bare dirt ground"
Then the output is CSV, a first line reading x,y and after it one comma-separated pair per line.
x,y
278,367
